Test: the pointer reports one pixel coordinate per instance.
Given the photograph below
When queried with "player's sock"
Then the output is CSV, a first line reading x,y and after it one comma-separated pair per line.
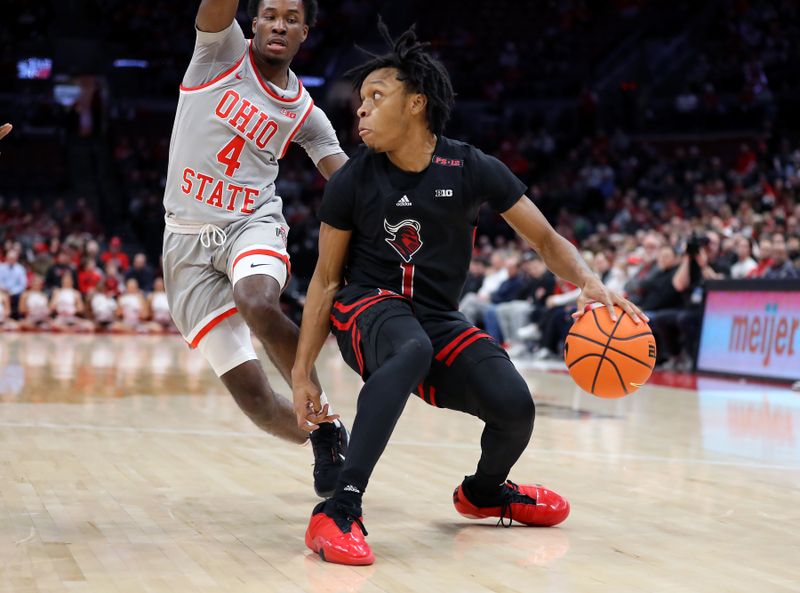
x,y
483,490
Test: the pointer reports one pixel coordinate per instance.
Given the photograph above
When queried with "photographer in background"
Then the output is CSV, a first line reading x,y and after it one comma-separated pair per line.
x,y
680,331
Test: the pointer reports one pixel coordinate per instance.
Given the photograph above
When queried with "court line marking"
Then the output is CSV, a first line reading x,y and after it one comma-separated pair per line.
x,y
402,443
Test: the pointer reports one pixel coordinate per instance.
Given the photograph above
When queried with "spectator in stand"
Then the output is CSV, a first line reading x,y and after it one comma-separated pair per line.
x,y
651,244
59,269
745,263
677,331
89,276
13,280
42,259
474,304
782,268
613,277
159,309
660,298
34,308
115,253
716,259
6,323
764,259
67,305
142,272
103,306
477,271
133,310
113,281
504,320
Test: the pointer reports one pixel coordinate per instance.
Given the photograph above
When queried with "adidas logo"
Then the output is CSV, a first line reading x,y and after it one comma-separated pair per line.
x,y
351,488
404,201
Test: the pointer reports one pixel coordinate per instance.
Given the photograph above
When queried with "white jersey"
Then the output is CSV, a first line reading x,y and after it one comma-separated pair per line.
x,y
231,127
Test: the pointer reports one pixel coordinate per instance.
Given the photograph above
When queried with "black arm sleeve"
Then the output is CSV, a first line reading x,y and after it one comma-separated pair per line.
x,y
338,201
494,182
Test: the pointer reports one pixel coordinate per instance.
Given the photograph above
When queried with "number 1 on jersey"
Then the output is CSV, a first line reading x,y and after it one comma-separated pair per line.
x,y
408,280
229,155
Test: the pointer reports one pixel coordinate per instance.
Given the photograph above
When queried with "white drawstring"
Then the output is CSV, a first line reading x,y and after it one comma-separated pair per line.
x,y
211,232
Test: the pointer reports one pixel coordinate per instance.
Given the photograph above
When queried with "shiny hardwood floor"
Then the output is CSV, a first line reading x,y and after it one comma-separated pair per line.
x,y
126,468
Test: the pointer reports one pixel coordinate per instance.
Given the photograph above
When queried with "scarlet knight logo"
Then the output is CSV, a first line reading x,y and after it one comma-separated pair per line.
x,y
404,237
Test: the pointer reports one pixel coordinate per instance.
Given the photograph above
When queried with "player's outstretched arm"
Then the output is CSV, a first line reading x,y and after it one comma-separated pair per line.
x,y
216,15
327,279
564,260
4,130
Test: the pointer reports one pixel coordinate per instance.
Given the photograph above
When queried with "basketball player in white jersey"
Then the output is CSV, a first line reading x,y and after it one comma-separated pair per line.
x,y
225,258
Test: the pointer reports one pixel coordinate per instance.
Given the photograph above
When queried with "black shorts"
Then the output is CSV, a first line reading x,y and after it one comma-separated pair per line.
x,y
356,321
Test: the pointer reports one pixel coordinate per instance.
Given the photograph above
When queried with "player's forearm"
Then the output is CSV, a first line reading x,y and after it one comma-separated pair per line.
x,y
564,260
216,15
315,326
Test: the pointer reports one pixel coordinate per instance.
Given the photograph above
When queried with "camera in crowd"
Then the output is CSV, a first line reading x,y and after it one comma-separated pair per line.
x,y
695,243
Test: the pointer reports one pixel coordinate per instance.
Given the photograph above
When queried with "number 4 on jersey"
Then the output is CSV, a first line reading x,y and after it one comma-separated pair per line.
x,y
229,155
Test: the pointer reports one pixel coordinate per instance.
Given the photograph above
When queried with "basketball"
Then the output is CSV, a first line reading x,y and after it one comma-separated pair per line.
x,y
609,359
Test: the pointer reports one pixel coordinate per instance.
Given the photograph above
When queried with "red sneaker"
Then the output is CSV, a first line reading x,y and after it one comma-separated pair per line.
x,y
529,505
339,536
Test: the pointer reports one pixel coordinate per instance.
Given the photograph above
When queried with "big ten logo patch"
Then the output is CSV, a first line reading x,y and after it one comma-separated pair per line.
x,y
286,113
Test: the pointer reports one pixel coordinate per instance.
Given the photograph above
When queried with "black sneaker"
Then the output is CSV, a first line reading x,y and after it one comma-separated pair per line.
x,y
329,442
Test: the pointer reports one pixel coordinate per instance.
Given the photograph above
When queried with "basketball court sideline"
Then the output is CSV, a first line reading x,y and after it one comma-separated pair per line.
x,y
126,467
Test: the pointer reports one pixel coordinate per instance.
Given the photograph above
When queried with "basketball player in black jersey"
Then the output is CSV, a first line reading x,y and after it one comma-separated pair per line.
x,y
398,225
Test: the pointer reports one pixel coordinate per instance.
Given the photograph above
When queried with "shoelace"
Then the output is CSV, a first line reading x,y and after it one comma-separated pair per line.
x,y
350,516
511,494
211,233
326,445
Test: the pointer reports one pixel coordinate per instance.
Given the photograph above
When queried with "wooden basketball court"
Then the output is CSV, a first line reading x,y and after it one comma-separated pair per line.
x,y
126,468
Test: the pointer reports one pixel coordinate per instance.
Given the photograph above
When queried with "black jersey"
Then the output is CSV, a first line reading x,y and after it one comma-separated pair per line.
x,y
413,233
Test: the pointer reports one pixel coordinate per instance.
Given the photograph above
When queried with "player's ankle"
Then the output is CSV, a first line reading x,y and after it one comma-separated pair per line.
x,y
348,495
482,491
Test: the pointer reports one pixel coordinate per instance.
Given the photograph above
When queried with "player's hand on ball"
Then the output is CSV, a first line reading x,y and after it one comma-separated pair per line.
x,y
595,292
307,406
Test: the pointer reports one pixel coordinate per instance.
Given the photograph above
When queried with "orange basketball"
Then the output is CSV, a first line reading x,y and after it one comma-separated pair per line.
x,y
607,358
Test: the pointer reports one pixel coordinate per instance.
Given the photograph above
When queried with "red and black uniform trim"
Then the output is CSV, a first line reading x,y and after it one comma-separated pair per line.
x,y
448,354
344,319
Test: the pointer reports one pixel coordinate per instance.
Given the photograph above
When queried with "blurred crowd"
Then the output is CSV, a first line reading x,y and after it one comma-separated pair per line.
x,y
72,285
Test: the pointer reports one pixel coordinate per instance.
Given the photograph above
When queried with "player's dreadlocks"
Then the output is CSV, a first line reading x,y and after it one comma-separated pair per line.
x,y
310,8
421,73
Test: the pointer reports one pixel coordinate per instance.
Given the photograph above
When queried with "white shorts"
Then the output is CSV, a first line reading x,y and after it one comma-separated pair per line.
x,y
199,283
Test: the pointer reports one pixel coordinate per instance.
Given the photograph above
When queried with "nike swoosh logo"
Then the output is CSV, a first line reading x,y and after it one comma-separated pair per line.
x,y
257,265
238,76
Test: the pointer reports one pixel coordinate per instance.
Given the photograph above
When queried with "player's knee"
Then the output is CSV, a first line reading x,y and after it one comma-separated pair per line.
x,y
416,354
515,407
